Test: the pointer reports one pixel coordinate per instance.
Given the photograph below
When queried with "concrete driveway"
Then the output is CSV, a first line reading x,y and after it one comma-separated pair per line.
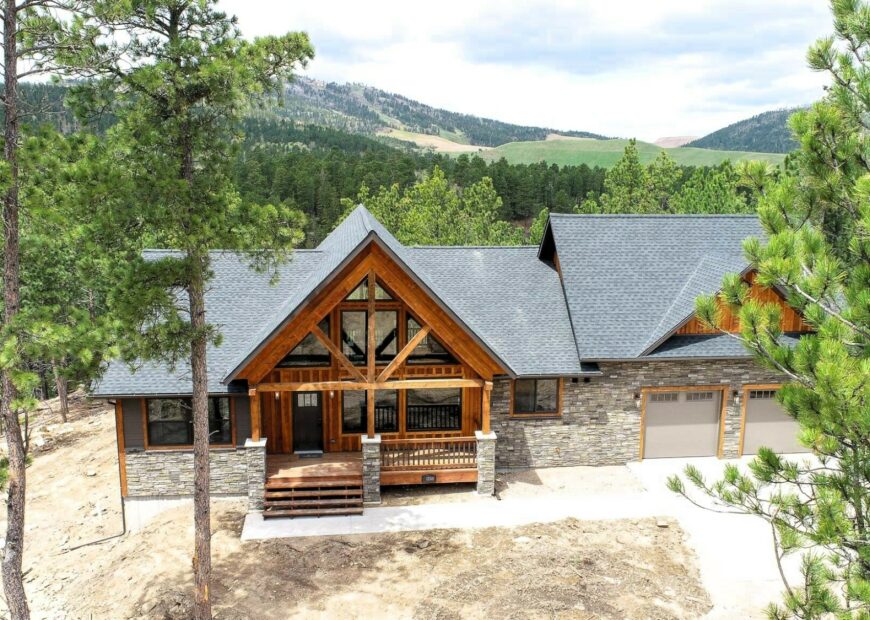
x,y
735,552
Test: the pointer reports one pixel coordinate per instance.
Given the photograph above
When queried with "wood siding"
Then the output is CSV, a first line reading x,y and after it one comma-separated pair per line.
x,y
791,320
277,411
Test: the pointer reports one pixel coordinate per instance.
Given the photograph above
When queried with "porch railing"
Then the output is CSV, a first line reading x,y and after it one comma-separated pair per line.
x,y
439,453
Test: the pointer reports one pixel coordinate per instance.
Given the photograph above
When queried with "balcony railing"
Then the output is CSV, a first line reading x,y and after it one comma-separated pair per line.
x,y
438,453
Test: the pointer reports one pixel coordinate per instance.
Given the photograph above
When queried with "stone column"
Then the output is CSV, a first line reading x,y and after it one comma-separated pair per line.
x,y
733,417
371,450
255,456
485,462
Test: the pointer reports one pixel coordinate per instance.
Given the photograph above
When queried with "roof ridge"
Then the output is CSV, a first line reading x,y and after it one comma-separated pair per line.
x,y
222,251
471,247
655,215
654,333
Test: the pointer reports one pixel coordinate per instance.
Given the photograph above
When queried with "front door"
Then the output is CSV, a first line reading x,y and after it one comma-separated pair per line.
x,y
307,422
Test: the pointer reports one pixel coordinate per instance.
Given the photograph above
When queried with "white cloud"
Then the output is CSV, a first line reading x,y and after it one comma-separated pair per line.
x,y
644,69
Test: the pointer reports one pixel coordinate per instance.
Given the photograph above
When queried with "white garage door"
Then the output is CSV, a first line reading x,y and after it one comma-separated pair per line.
x,y
768,425
680,423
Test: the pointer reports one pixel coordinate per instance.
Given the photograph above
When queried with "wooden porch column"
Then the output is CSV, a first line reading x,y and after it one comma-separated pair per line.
x,y
370,357
370,413
255,413
484,410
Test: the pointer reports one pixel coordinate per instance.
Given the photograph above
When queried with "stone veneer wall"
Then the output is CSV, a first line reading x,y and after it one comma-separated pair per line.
x,y
170,472
600,422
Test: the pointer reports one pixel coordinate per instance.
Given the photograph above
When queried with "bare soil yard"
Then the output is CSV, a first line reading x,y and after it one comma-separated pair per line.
x,y
569,569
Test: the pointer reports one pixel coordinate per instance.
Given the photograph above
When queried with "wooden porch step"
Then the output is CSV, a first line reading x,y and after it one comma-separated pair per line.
x,y
308,483
317,512
354,492
312,503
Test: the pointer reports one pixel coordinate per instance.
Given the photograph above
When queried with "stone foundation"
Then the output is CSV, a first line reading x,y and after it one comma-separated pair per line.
x,y
600,421
169,473
485,462
371,453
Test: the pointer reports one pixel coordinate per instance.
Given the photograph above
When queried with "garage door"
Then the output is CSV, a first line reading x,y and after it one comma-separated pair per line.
x,y
768,425
682,423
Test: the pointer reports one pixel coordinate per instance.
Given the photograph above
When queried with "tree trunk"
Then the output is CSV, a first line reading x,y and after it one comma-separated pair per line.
x,y
201,499
13,552
60,383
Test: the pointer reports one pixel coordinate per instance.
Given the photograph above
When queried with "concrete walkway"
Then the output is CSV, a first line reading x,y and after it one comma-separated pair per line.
x,y
735,552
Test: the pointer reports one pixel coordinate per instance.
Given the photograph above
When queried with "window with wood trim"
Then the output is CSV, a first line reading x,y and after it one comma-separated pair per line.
x,y
354,413
429,351
354,335
170,421
309,352
361,292
536,397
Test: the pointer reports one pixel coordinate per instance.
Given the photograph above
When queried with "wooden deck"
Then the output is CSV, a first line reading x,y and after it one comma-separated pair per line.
x,y
329,465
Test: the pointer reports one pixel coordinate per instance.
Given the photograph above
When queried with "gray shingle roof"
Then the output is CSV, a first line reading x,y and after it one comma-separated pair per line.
x,y
630,279
627,283
513,300
238,299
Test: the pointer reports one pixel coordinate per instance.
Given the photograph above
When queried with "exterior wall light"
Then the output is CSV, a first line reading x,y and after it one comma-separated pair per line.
x,y
637,400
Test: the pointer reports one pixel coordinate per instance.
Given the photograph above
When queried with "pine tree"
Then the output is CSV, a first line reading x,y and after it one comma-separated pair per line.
x,y
178,77
433,212
625,185
818,253
35,42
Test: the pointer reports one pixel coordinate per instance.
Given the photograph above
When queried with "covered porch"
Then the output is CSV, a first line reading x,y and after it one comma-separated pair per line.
x,y
402,397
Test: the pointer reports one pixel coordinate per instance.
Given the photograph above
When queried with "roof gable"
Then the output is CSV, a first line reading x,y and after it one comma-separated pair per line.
x,y
351,237
629,278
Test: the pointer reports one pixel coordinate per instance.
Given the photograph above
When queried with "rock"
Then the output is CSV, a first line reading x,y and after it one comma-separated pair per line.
x,y
662,523
422,544
91,473
522,539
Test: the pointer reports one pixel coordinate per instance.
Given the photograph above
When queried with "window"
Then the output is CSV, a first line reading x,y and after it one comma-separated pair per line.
x,y
309,352
361,293
386,335
664,397
762,394
354,335
536,396
354,415
434,410
696,397
170,421
429,351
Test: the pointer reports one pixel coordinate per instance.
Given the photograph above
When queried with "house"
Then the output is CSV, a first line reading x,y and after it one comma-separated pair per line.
x,y
370,364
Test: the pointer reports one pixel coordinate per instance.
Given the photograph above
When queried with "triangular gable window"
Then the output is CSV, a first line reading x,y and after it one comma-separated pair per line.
x,y
309,352
429,351
361,293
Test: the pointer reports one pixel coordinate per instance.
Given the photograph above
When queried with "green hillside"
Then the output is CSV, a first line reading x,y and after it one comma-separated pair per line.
x,y
358,108
766,132
605,153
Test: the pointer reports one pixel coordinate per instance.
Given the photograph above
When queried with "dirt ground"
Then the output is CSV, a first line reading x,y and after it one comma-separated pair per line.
x,y
568,569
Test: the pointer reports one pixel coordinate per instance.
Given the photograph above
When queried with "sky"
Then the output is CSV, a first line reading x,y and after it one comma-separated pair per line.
x,y
643,69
